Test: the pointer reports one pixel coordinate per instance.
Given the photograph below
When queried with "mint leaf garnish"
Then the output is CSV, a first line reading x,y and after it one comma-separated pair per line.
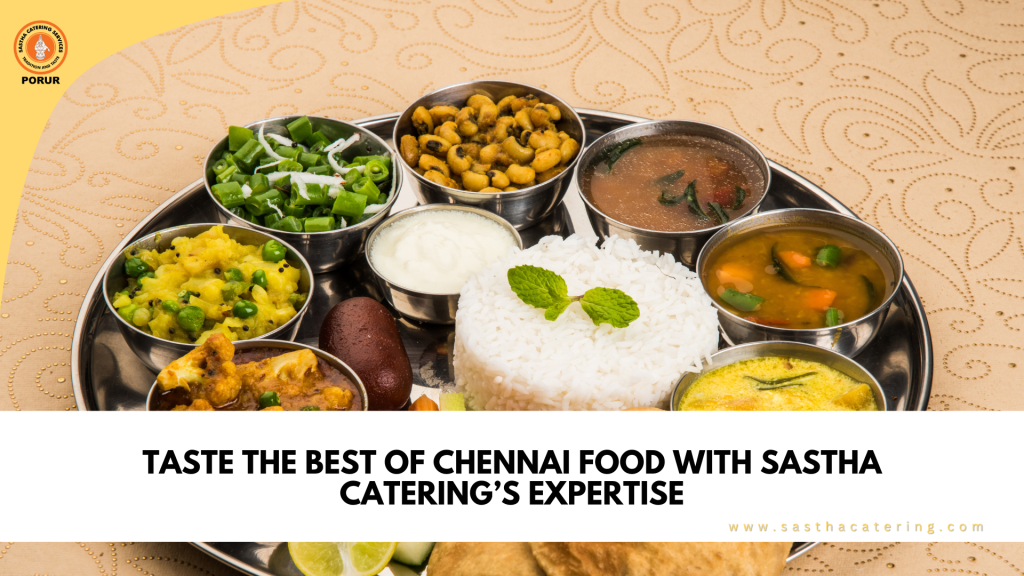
x,y
537,287
543,288
610,305
556,309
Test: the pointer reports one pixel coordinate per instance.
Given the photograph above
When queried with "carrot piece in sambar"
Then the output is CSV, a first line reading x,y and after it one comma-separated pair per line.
x,y
819,299
795,259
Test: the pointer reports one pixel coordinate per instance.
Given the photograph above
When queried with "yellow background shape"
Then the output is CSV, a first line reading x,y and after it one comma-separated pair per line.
x,y
94,31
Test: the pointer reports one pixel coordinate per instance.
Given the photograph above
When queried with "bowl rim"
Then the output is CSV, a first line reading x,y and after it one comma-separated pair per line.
x,y
569,169
678,233
285,345
429,208
884,305
396,179
269,335
705,369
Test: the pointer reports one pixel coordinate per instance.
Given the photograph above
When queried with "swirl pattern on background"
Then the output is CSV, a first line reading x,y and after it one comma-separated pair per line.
x,y
912,113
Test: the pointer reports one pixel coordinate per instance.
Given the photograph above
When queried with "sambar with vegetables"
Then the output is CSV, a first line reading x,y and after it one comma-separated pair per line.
x,y
797,277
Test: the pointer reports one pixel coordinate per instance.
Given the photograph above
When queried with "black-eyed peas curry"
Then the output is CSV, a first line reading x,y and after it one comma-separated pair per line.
x,y
489,147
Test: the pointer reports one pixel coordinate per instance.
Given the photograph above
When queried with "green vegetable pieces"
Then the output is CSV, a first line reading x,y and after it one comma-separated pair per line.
x,y
542,288
292,184
828,256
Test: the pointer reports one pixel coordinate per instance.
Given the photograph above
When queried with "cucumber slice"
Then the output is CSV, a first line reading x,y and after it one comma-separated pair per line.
x,y
413,553
400,570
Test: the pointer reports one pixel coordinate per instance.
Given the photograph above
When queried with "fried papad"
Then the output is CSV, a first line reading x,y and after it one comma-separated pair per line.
x,y
661,558
482,559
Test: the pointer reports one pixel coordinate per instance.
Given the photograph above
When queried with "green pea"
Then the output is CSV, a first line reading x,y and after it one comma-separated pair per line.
x,y
191,318
231,290
141,317
244,309
296,299
234,275
274,251
135,267
171,306
127,312
268,399
259,278
309,409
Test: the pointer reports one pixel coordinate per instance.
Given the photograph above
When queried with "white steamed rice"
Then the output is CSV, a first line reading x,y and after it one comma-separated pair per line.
x,y
508,357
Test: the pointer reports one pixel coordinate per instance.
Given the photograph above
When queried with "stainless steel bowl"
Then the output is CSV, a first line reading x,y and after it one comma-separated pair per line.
x,y
522,208
155,352
151,399
848,339
424,306
684,245
323,250
788,349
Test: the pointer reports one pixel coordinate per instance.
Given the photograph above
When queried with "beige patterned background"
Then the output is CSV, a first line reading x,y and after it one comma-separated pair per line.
x,y
910,111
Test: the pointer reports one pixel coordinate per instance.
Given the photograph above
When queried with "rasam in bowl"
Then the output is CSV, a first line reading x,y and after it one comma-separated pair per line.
x,y
670,184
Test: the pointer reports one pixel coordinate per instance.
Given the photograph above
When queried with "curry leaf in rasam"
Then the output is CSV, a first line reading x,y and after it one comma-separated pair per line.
x,y
613,153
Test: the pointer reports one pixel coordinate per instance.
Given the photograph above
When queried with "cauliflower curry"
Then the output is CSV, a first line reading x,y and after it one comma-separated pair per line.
x,y
214,377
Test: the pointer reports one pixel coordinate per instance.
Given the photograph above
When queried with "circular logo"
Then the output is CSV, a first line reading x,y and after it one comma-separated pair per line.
x,y
40,47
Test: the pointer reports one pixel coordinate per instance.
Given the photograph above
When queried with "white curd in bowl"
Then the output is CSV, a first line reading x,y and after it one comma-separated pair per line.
x,y
437,251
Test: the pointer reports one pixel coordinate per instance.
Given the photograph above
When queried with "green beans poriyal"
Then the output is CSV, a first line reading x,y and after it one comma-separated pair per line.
x,y
298,184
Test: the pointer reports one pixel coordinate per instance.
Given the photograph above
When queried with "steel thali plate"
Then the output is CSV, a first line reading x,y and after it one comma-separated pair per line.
x,y
106,375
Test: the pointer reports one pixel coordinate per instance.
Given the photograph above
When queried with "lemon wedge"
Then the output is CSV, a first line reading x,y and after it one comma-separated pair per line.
x,y
341,558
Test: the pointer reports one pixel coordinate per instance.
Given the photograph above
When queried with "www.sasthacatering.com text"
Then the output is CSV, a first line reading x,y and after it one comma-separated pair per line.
x,y
825,527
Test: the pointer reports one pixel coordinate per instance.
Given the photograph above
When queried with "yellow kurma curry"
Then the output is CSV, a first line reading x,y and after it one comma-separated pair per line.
x,y
213,377
777,383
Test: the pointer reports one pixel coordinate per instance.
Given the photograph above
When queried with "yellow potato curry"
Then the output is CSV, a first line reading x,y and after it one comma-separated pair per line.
x,y
214,377
777,383
209,284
